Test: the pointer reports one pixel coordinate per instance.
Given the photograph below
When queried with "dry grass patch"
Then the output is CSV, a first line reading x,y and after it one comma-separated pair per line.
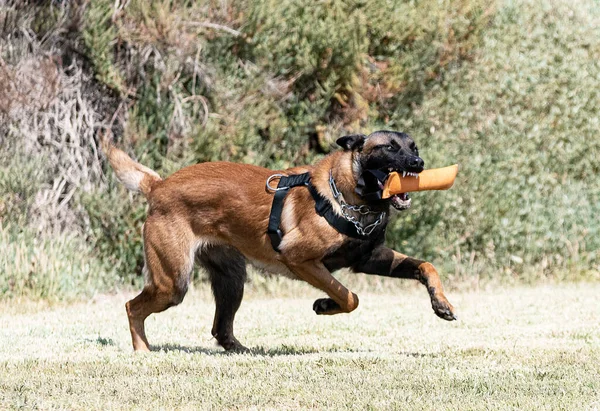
x,y
521,348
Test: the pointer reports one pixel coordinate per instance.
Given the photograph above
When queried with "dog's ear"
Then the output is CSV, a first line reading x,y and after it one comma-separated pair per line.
x,y
353,142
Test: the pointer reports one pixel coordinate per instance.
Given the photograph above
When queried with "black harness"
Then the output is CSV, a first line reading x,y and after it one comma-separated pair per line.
x,y
323,207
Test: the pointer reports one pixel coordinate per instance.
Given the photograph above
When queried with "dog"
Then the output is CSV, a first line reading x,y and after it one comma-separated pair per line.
x,y
217,214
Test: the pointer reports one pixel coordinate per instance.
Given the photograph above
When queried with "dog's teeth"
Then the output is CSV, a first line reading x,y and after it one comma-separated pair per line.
x,y
404,174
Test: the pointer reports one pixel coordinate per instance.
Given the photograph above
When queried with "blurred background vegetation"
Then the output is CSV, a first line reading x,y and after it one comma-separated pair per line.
x,y
507,89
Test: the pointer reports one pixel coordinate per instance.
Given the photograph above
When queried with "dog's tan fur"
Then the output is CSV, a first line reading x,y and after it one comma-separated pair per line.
x,y
219,212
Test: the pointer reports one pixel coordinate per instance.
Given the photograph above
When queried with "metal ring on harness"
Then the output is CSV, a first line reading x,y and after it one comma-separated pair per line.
x,y
269,188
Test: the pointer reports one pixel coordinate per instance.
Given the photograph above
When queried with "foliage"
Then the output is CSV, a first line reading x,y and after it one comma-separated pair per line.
x,y
505,89
521,125
50,268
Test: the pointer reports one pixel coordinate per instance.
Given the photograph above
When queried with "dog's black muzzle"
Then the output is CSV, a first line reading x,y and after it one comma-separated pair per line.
x,y
414,164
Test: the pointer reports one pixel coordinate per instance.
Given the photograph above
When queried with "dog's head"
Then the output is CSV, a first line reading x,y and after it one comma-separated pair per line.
x,y
385,151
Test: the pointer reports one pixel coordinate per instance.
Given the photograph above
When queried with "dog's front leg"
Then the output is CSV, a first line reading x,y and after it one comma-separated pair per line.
x,y
387,262
342,300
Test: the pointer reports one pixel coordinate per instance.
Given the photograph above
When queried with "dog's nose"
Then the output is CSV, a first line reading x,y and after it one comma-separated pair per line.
x,y
416,162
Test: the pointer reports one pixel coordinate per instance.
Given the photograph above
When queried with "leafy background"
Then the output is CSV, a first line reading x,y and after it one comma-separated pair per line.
x,y
507,89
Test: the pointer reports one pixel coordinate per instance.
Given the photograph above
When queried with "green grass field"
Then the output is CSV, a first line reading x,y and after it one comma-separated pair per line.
x,y
513,348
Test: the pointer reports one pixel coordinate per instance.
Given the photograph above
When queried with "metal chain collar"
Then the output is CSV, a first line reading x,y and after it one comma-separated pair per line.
x,y
361,210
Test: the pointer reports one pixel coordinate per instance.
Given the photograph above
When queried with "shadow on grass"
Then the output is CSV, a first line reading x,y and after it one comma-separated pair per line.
x,y
101,341
255,351
282,350
419,354
189,350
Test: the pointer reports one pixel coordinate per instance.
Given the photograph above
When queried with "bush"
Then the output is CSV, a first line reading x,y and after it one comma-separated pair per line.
x,y
286,75
521,123
508,91
50,268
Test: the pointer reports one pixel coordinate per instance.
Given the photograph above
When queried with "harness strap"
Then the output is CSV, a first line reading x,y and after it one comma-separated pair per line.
x,y
323,207
284,185
370,184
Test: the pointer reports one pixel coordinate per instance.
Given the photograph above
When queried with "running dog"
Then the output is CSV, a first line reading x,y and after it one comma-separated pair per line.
x,y
218,214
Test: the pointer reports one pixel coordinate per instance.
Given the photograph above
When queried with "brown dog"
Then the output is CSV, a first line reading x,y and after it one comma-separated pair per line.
x,y
219,212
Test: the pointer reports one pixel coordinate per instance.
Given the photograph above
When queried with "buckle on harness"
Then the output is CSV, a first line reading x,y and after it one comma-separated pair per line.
x,y
334,190
271,178
285,184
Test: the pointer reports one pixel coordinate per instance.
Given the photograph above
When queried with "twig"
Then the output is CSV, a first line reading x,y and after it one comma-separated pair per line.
x,y
215,26
204,105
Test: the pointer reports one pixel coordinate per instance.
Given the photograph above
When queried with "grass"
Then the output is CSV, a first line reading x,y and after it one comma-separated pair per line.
x,y
508,89
513,348
37,267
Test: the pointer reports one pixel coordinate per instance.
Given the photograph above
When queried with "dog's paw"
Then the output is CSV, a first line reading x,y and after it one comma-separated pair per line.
x,y
231,344
325,306
443,309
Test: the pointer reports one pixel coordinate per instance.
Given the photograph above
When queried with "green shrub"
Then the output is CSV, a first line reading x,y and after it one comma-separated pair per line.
x,y
297,75
507,90
521,121
115,230
52,268
99,37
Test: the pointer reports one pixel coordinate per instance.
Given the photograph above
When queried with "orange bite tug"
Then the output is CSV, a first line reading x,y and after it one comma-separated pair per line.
x,y
432,179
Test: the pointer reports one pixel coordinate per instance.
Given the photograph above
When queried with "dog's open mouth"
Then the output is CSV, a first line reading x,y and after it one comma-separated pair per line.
x,y
402,201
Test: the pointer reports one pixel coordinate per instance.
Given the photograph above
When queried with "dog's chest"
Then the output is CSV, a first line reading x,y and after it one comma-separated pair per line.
x,y
352,252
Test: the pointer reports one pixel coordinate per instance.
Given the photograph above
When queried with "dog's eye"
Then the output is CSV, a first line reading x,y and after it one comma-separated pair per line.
x,y
390,148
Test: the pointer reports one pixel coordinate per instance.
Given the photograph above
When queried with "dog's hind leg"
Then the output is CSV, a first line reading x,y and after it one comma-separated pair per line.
x,y
227,272
169,262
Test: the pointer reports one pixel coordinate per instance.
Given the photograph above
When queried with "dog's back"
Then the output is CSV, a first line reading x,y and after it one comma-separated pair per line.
x,y
224,203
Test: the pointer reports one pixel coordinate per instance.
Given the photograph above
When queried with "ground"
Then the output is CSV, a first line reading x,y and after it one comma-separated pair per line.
x,y
512,348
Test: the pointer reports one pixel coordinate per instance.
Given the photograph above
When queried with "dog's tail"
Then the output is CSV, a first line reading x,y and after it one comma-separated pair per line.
x,y
133,175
